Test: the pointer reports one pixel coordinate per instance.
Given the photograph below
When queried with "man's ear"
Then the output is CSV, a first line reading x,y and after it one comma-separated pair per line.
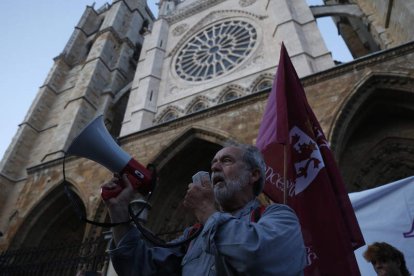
x,y
254,175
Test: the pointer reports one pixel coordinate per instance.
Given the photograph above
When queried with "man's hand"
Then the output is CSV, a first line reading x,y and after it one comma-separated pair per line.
x,y
200,199
118,206
126,194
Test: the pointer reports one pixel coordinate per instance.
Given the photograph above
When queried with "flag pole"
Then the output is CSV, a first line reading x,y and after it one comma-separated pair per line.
x,y
284,174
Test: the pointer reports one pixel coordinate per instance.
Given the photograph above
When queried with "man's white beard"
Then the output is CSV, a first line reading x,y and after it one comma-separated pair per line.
x,y
230,187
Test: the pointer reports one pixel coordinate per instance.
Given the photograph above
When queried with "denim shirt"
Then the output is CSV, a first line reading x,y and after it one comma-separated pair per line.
x,y
228,245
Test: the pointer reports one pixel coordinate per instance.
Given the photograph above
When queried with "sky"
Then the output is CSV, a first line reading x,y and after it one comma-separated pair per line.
x,y
36,31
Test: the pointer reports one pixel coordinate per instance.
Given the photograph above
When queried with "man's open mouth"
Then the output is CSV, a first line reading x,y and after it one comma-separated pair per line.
x,y
217,179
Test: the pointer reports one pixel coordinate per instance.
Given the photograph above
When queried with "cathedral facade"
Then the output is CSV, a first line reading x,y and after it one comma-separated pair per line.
x,y
174,89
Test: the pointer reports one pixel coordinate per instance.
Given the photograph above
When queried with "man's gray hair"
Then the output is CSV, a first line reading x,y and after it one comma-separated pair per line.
x,y
253,158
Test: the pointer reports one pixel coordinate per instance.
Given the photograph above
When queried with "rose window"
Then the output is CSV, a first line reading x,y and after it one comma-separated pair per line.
x,y
215,50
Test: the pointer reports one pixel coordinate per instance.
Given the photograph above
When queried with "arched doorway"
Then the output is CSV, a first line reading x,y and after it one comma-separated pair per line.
x,y
53,220
190,153
50,241
374,135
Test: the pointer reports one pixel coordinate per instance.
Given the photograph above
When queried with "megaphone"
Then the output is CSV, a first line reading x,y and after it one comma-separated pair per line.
x,y
95,143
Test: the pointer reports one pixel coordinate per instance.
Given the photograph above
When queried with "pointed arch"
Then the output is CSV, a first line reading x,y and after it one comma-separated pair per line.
x,y
52,220
168,114
262,82
377,115
230,92
190,152
210,135
197,104
365,91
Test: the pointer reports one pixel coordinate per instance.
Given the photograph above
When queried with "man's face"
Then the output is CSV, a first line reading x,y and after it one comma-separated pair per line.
x,y
229,174
386,268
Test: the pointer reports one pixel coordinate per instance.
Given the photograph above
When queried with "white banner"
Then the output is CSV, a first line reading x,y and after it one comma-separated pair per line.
x,y
386,214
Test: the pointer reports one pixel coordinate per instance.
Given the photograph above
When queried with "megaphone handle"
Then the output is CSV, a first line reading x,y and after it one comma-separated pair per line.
x,y
107,193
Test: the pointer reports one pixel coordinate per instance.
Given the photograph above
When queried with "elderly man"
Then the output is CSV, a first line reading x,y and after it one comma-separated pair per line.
x,y
231,242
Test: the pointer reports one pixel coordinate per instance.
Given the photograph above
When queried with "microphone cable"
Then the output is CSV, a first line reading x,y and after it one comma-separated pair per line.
x,y
146,233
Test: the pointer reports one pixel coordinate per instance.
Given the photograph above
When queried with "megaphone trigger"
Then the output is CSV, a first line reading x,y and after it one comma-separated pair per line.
x,y
139,174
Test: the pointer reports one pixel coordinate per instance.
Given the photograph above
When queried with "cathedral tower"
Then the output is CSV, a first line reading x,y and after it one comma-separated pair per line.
x,y
88,78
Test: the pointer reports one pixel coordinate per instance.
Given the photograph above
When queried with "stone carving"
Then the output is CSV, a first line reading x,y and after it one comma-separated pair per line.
x,y
180,29
190,10
245,3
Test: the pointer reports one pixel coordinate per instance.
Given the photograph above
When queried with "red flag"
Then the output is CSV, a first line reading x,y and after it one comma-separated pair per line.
x,y
300,162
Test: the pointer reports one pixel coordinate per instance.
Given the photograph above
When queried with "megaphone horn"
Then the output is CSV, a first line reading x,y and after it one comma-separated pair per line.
x,y
95,143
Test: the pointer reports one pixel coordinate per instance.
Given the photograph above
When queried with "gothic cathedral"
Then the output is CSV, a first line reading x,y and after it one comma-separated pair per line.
x,y
175,88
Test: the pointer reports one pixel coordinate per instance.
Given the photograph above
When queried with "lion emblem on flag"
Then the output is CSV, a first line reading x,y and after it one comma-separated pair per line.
x,y
306,157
